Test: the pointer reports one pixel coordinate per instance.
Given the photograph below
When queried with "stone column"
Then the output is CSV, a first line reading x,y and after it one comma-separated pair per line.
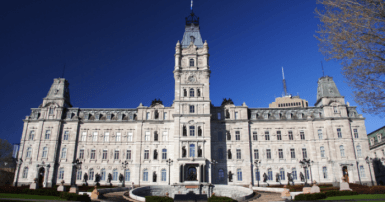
x,y
183,165
45,184
199,173
204,172
37,171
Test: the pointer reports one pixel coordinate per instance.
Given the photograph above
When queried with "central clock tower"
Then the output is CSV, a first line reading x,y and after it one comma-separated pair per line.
x,y
192,103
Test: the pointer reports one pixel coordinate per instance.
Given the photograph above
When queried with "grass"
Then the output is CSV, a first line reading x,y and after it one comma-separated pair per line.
x,y
361,196
26,196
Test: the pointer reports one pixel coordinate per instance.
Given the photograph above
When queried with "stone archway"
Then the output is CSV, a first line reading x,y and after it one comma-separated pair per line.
x,y
345,173
41,176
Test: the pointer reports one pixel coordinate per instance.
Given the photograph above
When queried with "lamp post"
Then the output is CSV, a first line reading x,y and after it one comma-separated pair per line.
x,y
257,163
124,166
368,160
214,163
306,163
75,166
19,162
169,162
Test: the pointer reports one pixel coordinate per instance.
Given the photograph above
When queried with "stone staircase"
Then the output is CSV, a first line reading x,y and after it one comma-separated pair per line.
x,y
268,197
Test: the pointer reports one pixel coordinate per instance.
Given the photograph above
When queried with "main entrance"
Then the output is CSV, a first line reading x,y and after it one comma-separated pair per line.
x,y
345,173
41,176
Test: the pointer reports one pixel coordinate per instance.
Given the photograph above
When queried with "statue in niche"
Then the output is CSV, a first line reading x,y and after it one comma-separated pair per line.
x,y
199,131
229,154
155,136
198,92
183,151
302,177
121,177
230,176
154,177
264,177
228,135
199,152
155,154
184,93
156,114
289,179
227,114
184,130
277,178
192,175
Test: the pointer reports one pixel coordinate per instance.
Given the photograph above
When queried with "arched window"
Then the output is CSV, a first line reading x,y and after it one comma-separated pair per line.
x,y
64,153
325,172
322,148
294,173
25,172
239,174
31,135
164,175
220,153
164,153
362,171
145,175
45,151
269,174
192,150
221,175
359,153
103,175
106,137
282,174
66,135
192,130
127,175
29,152
118,137
115,175
191,92
342,151
191,62
91,174
79,175
47,134
320,136
61,173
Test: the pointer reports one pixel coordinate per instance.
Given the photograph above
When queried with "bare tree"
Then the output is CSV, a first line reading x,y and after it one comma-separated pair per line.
x,y
353,32
5,149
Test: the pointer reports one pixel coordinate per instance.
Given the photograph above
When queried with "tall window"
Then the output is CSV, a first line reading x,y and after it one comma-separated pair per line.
x,y
362,171
146,154
355,131
322,148
61,173
268,154
291,135
29,152
129,137
292,153
31,135
325,172
279,136
164,153
256,154
91,175
93,154
84,136
236,116
192,130
220,153
95,137
64,153
280,153
307,175
239,174
191,62
116,154
269,174
115,175
221,175
192,109
220,136
339,133
45,151
128,154
237,135
192,150
255,136
302,134
79,175
47,134
104,154
50,111
106,137
118,137
81,154
103,175
165,136
335,109
128,173
147,136
267,136
294,173
191,92
359,153
239,154
320,136
282,174
342,151
163,175
66,134
147,115
25,172
219,116
257,175
304,153
145,175
165,116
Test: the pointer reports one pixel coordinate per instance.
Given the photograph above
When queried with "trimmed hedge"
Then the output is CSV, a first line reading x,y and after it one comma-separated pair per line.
x,y
45,192
158,199
340,193
220,199
309,197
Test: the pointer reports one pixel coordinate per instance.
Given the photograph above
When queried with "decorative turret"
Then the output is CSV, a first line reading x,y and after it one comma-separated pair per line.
x,y
57,99
327,90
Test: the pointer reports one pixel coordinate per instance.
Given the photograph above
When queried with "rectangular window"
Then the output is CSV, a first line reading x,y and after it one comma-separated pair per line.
x,y
81,154
294,173
165,136
267,136
219,116
302,134
147,136
279,136
256,154
304,153
47,134
192,130
31,135
61,173
164,174
325,172
192,110
239,174
104,154
93,154
236,116
128,154
147,115
292,153
79,175
50,111
146,154
118,137
291,135
45,151
362,171
165,116
239,154
116,155
339,133
164,153
66,134
84,136
255,136
268,154
237,135
355,133
106,137
95,137
320,136
129,137
280,153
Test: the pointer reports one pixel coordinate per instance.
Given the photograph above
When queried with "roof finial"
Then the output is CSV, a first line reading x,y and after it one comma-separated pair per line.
x,y
323,73
284,82
191,5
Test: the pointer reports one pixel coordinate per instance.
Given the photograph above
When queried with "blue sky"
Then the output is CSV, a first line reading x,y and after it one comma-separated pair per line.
x,y
119,54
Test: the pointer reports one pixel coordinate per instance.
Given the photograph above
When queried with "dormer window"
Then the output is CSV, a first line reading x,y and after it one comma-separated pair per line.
x,y
192,39
379,138
50,111
191,62
335,109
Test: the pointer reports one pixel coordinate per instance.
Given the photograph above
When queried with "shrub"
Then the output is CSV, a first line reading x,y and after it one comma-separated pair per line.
x,y
307,197
340,193
158,199
220,199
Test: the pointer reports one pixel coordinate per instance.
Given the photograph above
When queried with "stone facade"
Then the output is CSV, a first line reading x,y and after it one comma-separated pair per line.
x,y
207,144
377,153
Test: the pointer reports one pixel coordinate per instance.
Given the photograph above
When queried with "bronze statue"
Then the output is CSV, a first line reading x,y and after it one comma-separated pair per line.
x,y
227,114
154,177
183,152
302,177
264,177
155,154
229,154
277,178
155,136
199,131
156,114
230,176
184,130
121,177
199,152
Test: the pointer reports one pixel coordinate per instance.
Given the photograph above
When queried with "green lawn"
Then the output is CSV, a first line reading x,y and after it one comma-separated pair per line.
x,y
25,196
361,196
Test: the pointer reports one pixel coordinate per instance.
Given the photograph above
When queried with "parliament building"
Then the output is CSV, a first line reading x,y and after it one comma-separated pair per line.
x,y
227,144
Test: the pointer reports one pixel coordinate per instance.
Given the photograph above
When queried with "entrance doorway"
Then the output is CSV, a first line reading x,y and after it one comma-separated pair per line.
x,y
192,174
41,176
345,173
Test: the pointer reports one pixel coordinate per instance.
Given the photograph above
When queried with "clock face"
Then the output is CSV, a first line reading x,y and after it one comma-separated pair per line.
x,y
191,79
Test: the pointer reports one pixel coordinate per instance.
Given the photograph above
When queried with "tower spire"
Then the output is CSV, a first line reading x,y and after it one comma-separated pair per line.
x,y
323,73
284,82
191,5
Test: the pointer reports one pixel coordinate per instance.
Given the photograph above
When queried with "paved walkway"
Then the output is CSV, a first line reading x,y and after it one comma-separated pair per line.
x,y
268,196
113,196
